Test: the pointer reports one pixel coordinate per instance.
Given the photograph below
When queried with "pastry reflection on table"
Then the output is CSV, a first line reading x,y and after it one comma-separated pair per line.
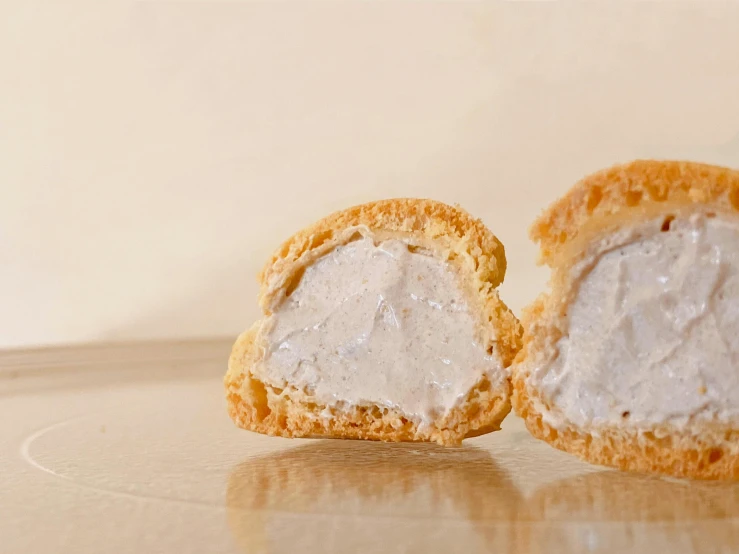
x,y
347,496
612,511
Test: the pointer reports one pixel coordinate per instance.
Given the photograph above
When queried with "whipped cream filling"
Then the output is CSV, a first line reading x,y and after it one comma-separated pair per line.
x,y
652,334
377,324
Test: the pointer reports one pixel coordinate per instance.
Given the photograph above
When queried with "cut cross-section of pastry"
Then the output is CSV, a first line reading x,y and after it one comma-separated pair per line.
x,y
632,359
381,322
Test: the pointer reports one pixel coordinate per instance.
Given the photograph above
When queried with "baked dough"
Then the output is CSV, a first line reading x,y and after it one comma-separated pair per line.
x,y
611,398
263,399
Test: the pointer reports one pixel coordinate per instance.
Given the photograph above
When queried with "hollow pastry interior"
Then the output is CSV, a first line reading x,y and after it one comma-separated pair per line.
x,y
649,321
378,323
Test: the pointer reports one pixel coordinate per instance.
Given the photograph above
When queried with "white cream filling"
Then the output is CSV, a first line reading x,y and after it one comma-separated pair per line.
x,y
377,325
653,330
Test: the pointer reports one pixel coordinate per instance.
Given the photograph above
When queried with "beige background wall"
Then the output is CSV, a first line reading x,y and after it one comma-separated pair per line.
x,y
152,154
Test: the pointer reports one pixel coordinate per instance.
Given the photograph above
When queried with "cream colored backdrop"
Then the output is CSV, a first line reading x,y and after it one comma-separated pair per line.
x,y
152,154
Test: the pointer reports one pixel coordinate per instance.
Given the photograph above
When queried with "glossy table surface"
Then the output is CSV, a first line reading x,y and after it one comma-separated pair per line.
x,y
128,449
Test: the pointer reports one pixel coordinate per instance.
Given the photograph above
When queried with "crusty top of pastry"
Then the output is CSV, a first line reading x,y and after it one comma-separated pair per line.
x,y
637,185
403,215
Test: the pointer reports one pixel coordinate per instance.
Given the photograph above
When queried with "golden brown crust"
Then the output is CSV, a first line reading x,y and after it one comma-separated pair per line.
x,y
431,219
630,186
677,454
622,195
466,243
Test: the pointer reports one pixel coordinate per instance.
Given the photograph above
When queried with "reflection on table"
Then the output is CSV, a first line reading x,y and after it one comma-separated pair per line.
x,y
350,496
